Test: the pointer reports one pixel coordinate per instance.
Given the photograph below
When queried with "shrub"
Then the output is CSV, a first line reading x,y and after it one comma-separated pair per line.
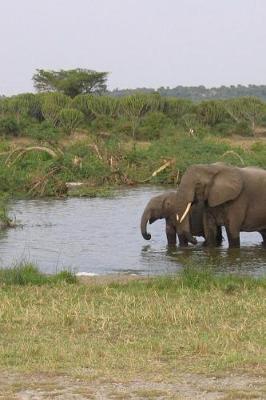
x,y
189,121
52,104
103,122
81,103
224,129
103,105
152,124
135,106
5,220
176,108
243,128
44,131
26,104
70,119
9,126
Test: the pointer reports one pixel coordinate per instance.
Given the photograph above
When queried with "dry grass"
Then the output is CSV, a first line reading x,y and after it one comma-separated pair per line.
x,y
135,328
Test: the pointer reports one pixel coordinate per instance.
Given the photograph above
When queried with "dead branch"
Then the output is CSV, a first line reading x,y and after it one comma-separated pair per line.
x,y
165,165
43,180
234,153
11,154
157,171
23,151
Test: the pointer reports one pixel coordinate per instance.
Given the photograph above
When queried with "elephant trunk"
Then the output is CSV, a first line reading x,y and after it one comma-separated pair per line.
x,y
143,225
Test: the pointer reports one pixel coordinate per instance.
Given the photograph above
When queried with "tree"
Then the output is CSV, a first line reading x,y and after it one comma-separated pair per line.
x,y
70,82
52,104
103,106
249,109
211,112
135,106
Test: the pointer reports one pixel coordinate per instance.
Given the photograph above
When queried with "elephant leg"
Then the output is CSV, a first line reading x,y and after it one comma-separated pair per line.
x,y
170,234
233,237
219,236
263,235
183,242
210,230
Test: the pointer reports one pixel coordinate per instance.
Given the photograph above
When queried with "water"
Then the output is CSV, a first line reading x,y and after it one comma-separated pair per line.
x,y
102,236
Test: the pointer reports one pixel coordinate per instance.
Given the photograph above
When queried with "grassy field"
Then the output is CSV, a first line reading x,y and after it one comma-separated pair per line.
x,y
192,323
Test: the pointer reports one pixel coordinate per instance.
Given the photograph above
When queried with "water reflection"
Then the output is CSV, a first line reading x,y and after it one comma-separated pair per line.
x,y
249,260
103,236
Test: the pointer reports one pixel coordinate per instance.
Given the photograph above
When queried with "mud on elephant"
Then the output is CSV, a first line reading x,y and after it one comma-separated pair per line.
x,y
164,207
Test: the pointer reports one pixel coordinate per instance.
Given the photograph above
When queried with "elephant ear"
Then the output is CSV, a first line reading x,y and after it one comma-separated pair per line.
x,y
168,204
227,185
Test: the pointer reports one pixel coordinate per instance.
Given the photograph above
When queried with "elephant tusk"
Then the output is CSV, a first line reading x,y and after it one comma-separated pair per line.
x,y
185,213
177,217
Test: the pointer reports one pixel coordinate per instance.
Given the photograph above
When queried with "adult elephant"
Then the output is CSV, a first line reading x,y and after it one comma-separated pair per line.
x,y
233,197
164,206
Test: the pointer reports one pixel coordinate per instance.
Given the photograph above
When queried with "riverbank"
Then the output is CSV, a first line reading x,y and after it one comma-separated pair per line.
x,y
85,164
149,330
50,141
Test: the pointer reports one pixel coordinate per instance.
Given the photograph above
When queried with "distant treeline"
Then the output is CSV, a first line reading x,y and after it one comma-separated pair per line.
x,y
199,93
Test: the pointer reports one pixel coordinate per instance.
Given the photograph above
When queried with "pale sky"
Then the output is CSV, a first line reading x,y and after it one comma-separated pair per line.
x,y
142,43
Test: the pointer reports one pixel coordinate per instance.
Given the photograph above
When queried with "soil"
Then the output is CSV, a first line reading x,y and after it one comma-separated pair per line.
x,y
190,386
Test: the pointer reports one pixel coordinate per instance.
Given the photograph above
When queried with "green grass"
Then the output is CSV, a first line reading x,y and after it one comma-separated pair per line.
x,y
5,220
28,274
195,322
115,160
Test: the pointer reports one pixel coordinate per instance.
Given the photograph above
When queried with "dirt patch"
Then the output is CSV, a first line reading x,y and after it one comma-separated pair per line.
x,y
22,141
190,386
244,143
112,278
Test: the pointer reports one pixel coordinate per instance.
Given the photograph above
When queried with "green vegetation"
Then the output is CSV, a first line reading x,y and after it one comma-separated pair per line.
x,y
28,274
199,93
51,139
5,220
195,322
70,82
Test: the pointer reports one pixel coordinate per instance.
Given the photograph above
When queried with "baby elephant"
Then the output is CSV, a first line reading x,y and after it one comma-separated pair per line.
x,y
164,206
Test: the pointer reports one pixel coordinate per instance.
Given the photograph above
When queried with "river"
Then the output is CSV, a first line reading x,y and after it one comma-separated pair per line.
x,y
102,236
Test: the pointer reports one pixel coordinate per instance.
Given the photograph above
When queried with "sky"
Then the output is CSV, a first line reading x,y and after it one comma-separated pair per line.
x,y
141,43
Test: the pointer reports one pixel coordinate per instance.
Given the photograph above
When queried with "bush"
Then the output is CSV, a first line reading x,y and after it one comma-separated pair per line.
x,y
224,129
102,123
103,105
211,112
70,119
135,106
152,125
9,126
5,220
81,103
44,132
242,128
26,104
175,108
52,104
189,121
